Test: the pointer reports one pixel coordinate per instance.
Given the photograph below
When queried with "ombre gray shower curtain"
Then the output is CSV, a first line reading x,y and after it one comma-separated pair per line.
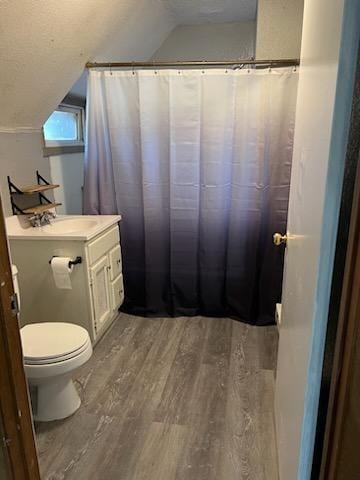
x,y
198,165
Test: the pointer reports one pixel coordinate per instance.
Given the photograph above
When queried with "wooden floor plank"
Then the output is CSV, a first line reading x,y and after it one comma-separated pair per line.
x,y
254,347
160,453
249,440
173,407
117,456
182,399
206,409
67,445
149,385
105,361
202,454
125,368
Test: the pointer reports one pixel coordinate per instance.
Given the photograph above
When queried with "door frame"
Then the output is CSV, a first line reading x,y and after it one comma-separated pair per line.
x,y
343,321
349,325
16,417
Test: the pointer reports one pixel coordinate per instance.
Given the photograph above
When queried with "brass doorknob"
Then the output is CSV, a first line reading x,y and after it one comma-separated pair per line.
x,y
278,239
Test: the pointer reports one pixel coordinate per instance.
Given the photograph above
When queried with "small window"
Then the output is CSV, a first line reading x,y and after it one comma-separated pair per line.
x,y
64,128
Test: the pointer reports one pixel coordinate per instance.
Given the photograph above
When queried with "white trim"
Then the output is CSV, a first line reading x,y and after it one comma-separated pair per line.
x,y
20,129
64,143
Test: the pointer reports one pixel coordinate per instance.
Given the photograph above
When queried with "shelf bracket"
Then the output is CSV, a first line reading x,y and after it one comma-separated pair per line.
x,y
40,179
12,187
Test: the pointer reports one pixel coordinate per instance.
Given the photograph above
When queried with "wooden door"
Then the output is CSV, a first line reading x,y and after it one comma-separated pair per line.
x,y
338,425
340,459
328,60
117,292
18,449
100,284
115,262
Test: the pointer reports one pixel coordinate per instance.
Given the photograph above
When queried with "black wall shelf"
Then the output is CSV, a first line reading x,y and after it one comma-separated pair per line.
x,y
41,186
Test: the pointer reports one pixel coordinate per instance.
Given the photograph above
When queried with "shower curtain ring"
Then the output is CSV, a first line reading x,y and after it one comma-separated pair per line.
x,y
110,68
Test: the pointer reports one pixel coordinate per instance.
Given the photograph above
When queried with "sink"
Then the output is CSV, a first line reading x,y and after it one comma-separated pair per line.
x,y
69,225
63,227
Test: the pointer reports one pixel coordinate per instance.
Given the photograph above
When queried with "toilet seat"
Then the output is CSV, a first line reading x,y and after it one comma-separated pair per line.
x,y
61,358
53,342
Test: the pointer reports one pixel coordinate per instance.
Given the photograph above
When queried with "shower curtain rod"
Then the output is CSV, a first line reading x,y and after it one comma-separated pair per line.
x,y
289,62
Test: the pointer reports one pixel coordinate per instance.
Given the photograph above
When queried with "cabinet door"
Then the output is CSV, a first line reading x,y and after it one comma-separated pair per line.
x,y
115,262
117,292
100,292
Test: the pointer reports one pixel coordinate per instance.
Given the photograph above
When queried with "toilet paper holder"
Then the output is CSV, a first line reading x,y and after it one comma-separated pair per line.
x,y
71,263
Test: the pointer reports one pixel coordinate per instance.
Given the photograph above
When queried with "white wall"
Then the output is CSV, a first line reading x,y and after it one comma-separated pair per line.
x,y
209,42
21,154
68,171
278,32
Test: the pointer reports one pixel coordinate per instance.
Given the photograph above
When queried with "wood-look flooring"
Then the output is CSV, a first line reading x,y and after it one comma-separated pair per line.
x,y
170,398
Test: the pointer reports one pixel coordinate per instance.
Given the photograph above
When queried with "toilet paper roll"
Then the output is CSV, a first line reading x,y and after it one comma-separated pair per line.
x,y
62,272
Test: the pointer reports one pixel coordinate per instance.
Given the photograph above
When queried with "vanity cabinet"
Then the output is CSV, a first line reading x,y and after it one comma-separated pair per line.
x,y
97,282
105,278
100,293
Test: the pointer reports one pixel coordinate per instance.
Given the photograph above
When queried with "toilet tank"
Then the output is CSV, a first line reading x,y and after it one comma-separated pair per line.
x,y
14,272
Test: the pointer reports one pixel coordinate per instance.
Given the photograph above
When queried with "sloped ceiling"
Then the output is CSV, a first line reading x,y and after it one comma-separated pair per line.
x,y
44,44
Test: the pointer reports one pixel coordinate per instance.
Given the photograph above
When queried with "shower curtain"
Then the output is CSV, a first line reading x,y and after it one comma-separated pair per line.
x,y
198,165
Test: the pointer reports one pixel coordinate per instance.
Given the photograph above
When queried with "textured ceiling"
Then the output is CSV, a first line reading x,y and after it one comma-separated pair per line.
x,y
44,44
202,11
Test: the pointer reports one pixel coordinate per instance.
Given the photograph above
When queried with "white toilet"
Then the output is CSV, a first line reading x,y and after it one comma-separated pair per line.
x,y
52,351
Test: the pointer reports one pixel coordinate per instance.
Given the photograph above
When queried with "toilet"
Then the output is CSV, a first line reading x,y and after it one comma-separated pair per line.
x,y
52,352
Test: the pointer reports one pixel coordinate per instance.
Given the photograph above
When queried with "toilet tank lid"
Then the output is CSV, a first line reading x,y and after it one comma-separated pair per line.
x,y
50,340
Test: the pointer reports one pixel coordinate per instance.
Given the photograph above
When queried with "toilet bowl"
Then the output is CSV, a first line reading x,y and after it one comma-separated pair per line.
x,y
52,352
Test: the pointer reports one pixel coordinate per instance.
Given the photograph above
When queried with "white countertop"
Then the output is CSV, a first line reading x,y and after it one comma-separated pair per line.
x,y
63,227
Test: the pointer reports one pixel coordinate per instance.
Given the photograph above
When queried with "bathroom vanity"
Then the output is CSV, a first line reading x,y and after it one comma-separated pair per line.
x,y
97,282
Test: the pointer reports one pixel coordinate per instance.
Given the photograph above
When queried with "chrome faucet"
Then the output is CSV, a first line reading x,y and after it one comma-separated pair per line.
x,y
41,219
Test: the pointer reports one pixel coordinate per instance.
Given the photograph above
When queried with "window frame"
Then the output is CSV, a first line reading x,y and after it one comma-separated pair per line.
x,y
59,147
